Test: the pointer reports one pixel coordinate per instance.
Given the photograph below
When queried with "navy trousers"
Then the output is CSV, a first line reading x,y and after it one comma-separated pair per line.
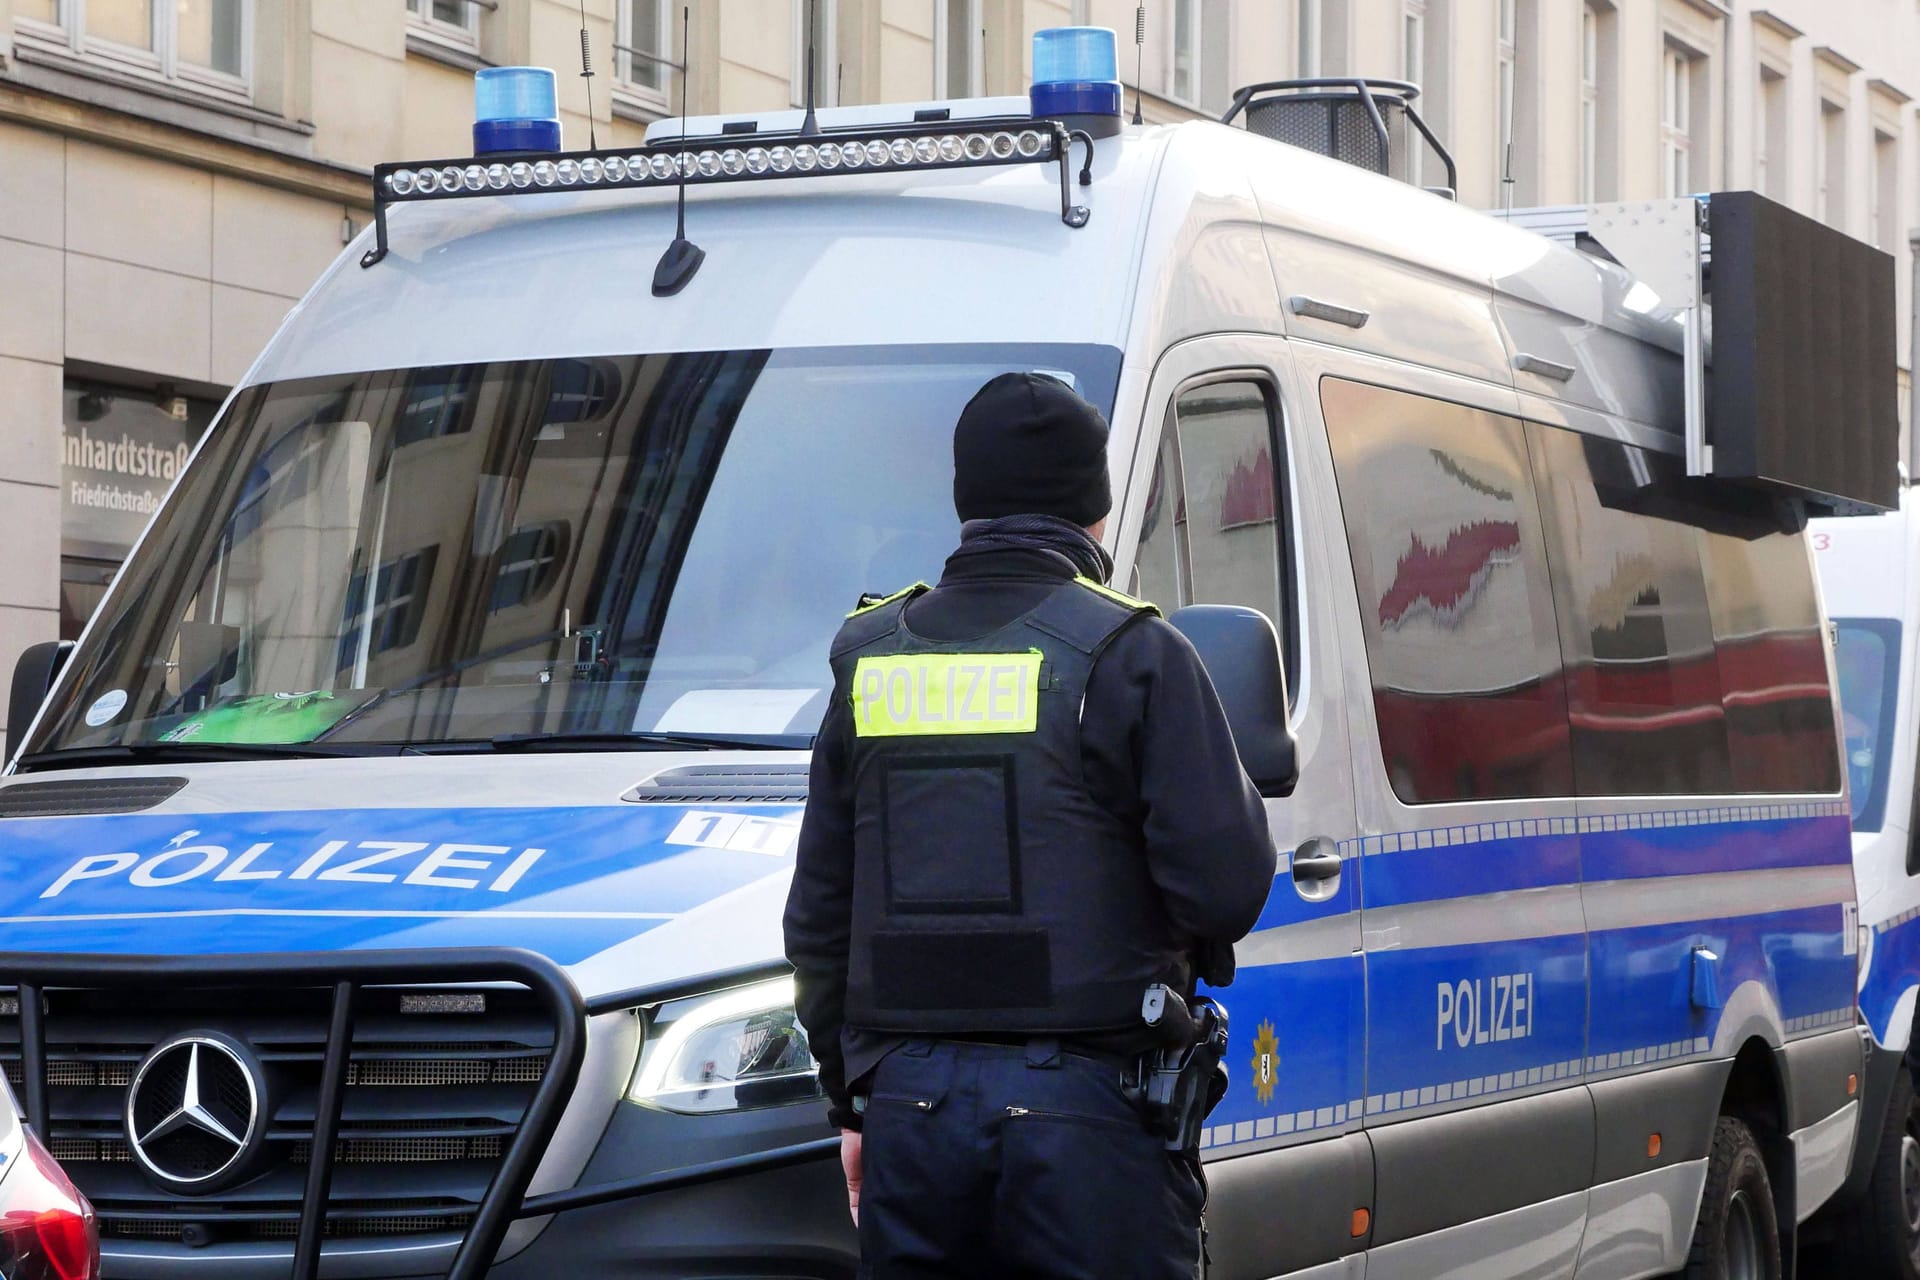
x,y
995,1161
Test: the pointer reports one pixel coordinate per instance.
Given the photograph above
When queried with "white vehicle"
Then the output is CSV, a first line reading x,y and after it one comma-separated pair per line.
x,y
393,873
1870,577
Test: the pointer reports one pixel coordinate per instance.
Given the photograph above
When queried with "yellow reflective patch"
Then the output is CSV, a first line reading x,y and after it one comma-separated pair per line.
x,y
875,604
1117,596
921,694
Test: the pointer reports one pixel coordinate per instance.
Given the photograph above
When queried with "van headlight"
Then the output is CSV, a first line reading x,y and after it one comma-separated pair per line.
x,y
728,1051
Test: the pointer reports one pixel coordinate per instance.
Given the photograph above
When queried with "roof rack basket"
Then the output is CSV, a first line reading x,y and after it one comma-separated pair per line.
x,y
1366,122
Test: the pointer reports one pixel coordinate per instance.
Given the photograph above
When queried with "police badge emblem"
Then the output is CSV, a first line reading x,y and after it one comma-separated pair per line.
x,y
1266,1063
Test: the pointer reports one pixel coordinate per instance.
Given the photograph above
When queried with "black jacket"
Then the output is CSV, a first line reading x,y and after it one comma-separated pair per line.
x,y
1157,751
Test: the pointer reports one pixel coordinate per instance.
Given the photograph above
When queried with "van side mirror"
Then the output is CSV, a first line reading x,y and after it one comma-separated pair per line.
x,y
1242,656
33,676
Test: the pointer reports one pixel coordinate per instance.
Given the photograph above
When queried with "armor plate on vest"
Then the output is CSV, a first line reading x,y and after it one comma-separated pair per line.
x,y
992,893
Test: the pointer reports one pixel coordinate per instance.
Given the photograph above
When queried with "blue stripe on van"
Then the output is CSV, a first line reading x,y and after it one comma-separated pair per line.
x,y
1471,863
1606,1001
1893,969
1641,976
1496,865
1749,844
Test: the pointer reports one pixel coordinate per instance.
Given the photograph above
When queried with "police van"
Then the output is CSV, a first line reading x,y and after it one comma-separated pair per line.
x,y
394,869
1867,569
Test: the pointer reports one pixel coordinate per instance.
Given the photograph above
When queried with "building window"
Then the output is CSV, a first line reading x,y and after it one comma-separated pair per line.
x,y
1413,41
1770,150
643,49
1413,68
1503,121
199,43
83,585
121,448
1185,76
1676,121
825,51
455,22
1830,164
398,607
957,40
1589,104
1885,232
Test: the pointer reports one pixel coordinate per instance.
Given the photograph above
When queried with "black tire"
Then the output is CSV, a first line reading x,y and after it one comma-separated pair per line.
x,y
1738,1234
1879,1237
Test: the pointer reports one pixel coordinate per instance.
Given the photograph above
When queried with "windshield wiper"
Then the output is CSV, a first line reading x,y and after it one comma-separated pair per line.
x,y
197,753
645,741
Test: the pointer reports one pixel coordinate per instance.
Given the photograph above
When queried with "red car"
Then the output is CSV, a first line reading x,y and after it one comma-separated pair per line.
x,y
47,1228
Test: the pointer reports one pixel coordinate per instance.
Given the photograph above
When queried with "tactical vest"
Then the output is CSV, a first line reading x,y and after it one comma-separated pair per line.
x,y
991,892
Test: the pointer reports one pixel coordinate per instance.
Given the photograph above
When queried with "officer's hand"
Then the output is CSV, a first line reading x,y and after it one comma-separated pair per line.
x,y
850,1165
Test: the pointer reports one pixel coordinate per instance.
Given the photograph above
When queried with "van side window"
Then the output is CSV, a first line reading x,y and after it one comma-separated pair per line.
x,y
1215,524
1643,688
1451,570
1773,663
1160,561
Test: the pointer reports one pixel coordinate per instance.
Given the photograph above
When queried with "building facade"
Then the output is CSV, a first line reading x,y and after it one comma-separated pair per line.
x,y
174,173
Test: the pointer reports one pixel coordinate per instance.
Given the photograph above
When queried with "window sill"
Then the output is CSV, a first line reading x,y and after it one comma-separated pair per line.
x,y
638,108
434,47
170,102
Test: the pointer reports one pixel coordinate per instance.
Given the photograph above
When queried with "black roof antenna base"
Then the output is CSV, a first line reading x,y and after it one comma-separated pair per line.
x,y
677,266
683,257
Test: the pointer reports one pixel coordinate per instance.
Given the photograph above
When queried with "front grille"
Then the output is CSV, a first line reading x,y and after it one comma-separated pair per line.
x,y
431,1102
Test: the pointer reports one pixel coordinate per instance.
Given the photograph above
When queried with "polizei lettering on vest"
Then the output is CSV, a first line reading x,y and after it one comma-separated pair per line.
x,y
940,693
1483,1010
414,862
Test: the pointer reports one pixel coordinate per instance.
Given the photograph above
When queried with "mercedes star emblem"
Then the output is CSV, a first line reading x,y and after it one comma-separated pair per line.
x,y
194,1110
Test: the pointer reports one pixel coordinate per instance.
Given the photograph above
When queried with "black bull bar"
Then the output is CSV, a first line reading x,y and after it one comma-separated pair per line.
x,y
505,1200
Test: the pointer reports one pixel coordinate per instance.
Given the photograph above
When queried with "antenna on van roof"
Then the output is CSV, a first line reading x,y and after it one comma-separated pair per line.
x,y
1506,163
586,73
810,127
683,257
1139,57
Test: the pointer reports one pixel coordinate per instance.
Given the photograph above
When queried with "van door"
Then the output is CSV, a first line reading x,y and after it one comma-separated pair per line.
x,y
1228,504
1470,869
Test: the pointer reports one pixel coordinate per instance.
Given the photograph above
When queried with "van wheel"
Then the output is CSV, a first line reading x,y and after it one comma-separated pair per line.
x,y
1879,1237
1738,1236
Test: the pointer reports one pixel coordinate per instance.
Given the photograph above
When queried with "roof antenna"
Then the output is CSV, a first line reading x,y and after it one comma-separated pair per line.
x,y
586,73
1506,174
1139,57
810,126
683,257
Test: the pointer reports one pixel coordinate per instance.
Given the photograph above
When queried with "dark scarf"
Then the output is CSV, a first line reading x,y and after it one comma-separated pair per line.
x,y
1062,539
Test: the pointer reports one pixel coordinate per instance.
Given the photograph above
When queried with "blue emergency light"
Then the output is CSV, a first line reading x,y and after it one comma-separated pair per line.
x,y
1076,72
515,109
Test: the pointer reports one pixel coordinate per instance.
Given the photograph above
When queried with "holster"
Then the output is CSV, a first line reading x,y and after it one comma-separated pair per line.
x,y
1179,1085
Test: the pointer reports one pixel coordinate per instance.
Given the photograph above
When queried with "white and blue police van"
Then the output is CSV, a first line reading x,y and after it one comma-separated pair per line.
x,y
393,871
1868,571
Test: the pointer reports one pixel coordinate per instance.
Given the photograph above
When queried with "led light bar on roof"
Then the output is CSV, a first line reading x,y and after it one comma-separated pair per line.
x,y
747,159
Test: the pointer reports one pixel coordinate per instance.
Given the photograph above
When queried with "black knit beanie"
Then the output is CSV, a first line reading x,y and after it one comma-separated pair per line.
x,y
1027,445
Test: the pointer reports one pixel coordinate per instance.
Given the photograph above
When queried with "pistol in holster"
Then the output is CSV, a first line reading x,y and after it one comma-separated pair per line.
x,y
1178,1085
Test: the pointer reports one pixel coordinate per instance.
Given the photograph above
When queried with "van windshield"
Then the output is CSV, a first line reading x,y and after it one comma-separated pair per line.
x,y
1867,656
647,544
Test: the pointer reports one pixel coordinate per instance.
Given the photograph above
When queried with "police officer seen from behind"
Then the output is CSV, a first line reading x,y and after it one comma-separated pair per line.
x,y
1025,811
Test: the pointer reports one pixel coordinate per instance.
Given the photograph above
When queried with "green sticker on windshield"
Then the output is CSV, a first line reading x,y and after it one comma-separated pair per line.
x,y
266,718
